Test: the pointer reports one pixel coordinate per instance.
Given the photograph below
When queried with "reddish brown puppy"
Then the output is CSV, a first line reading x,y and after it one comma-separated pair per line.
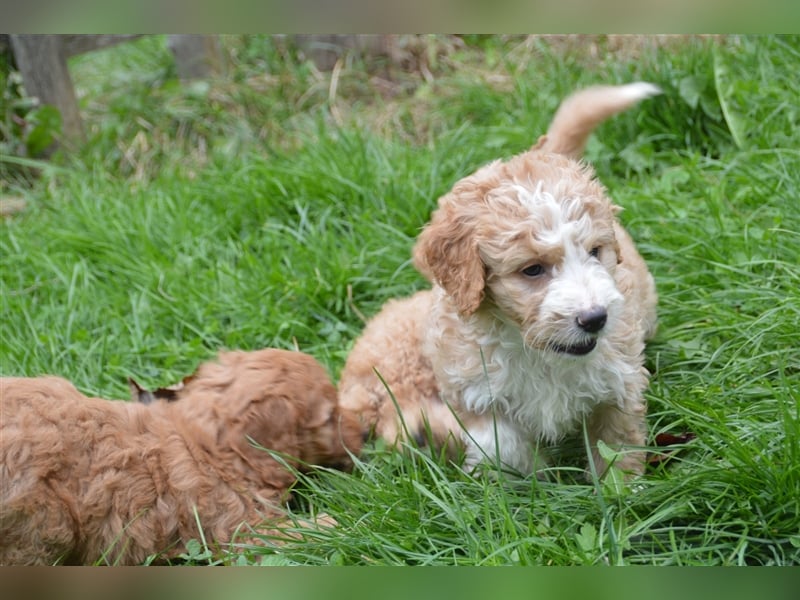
x,y
86,480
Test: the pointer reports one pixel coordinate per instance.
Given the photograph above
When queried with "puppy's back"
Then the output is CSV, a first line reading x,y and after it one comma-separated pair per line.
x,y
20,390
281,372
51,438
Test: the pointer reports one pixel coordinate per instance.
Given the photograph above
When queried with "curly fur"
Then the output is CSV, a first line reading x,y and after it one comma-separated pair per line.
x,y
538,315
87,480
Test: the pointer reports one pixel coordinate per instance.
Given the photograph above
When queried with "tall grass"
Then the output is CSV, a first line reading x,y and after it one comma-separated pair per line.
x,y
266,210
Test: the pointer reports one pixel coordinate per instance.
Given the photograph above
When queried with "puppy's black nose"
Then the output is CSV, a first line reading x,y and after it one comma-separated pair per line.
x,y
593,319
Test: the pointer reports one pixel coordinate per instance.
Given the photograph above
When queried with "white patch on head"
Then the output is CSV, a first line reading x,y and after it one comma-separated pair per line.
x,y
537,199
557,214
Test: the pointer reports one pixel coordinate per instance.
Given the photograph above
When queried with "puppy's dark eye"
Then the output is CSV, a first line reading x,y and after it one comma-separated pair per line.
x,y
595,251
533,270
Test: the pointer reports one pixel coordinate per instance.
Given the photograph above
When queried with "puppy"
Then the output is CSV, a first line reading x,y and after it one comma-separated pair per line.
x,y
87,481
537,318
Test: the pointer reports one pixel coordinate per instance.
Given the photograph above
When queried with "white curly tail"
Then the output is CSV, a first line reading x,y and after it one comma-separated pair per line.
x,y
584,110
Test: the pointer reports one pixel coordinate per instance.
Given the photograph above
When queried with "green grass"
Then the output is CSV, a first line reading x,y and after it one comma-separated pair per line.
x,y
263,210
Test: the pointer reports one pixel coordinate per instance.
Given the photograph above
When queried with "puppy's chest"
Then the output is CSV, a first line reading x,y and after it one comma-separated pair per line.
x,y
548,401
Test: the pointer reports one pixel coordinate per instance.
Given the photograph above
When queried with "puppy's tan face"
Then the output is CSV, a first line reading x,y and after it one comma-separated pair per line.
x,y
531,240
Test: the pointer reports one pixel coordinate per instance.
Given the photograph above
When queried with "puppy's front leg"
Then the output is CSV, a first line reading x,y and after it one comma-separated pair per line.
x,y
499,442
623,430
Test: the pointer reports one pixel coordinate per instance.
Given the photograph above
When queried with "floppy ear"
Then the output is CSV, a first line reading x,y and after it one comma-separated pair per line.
x,y
446,252
269,421
270,424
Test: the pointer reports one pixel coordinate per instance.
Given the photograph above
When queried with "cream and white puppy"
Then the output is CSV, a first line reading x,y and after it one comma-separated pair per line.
x,y
538,315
